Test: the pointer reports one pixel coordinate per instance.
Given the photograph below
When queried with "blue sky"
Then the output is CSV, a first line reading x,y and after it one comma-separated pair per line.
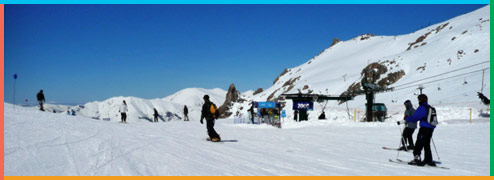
x,y
82,53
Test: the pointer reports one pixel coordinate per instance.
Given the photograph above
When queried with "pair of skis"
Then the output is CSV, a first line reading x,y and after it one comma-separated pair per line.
x,y
399,161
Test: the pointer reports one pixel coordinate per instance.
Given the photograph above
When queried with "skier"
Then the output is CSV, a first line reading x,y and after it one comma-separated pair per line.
x,y
186,112
252,114
425,133
123,110
41,99
484,99
295,115
322,116
210,116
409,128
155,115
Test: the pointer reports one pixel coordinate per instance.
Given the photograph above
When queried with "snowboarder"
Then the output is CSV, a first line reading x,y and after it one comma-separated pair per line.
x,y
409,128
252,114
123,111
155,115
425,133
41,99
210,112
322,116
186,113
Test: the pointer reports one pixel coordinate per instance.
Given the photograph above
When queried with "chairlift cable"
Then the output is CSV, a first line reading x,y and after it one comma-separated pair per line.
x,y
442,73
437,80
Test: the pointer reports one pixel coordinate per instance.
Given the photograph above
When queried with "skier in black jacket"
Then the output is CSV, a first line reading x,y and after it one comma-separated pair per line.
x,y
252,114
186,113
155,115
41,98
295,115
210,117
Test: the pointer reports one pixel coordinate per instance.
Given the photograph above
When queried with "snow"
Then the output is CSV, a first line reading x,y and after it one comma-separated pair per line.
x,y
94,143
43,143
141,110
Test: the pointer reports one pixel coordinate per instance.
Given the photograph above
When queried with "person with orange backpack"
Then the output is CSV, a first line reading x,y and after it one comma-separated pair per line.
x,y
210,113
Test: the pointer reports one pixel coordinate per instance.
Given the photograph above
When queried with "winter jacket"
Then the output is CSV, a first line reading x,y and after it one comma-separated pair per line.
x,y
409,112
420,115
251,110
123,109
206,112
40,96
186,111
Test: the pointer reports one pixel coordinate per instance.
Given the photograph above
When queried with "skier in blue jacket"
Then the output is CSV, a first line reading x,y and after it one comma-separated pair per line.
x,y
425,133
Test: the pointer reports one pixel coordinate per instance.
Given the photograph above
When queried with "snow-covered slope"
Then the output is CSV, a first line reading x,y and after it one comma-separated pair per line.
x,y
141,110
48,144
446,58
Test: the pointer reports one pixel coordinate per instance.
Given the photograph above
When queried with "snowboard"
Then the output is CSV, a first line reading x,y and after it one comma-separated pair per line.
x,y
208,139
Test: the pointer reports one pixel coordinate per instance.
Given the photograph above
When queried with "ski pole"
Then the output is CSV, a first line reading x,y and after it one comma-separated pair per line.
x,y
401,140
435,149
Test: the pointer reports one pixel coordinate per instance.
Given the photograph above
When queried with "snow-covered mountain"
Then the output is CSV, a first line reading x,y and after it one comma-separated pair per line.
x,y
448,59
193,96
141,110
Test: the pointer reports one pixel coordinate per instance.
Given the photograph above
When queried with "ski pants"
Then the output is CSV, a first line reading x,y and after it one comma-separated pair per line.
x,y
424,142
210,126
41,105
124,117
156,118
407,136
186,117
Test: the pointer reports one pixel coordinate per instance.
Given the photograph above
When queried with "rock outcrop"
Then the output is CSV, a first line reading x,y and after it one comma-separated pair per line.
x,y
232,96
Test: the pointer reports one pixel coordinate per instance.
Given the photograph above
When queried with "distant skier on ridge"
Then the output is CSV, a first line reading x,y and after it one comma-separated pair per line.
x,y
155,115
41,98
186,113
123,111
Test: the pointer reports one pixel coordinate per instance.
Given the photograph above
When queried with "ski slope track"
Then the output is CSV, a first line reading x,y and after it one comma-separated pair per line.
x,y
43,143
447,58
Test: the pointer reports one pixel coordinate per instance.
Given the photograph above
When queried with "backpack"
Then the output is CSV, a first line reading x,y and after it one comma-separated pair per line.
x,y
432,116
213,111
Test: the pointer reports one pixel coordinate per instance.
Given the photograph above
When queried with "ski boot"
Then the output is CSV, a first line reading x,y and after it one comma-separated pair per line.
x,y
416,161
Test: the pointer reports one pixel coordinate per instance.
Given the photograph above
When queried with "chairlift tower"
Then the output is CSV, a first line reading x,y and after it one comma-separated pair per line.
x,y
370,89
420,88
